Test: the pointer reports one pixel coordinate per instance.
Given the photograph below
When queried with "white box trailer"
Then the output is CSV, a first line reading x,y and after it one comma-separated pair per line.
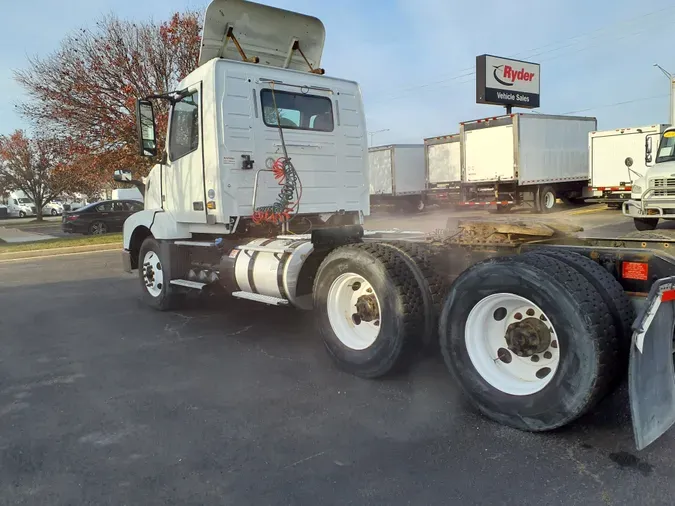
x,y
611,152
396,174
443,169
127,194
528,159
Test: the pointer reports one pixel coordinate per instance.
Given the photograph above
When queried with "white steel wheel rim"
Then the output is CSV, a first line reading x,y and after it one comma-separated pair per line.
x,y
549,200
420,205
485,338
152,274
353,330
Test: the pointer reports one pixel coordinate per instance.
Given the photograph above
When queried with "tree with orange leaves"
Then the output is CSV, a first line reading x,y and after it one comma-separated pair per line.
x,y
86,90
38,167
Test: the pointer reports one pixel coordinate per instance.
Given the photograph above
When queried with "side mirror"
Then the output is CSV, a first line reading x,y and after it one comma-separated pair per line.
x,y
648,150
145,128
628,162
122,175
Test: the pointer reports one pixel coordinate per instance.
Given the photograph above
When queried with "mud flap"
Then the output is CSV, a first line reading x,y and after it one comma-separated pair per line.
x,y
651,377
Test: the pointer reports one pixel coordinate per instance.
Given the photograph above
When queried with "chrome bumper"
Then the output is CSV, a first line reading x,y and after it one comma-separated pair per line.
x,y
650,206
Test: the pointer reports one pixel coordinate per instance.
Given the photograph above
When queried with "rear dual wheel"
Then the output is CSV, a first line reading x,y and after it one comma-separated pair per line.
x,y
369,309
530,340
545,199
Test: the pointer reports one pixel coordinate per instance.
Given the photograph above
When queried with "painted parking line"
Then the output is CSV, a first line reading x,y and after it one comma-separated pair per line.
x,y
586,211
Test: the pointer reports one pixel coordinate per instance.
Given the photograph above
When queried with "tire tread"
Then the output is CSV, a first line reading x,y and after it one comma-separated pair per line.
x,y
407,289
598,319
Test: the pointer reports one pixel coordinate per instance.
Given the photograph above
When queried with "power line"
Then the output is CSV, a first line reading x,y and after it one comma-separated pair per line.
x,y
469,71
587,48
643,99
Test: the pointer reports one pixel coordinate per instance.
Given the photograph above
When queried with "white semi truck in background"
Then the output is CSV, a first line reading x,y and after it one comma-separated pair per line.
x,y
443,169
616,159
530,159
269,207
396,176
653,194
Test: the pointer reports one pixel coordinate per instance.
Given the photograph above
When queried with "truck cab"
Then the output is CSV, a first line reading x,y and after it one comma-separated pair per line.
x,y
653,195
20,206
258,102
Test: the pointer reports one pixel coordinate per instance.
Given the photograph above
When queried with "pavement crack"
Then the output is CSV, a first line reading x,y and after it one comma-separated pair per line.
x,y
303,460
584,471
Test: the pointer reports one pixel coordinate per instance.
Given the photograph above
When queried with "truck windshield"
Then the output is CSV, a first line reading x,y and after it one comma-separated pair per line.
x,y
666,148
25,201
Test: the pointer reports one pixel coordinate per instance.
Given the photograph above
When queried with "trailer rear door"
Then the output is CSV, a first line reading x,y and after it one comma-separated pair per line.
x,y
489,154
380,171
443,162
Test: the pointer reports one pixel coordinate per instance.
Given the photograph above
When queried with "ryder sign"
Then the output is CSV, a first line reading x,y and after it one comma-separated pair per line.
x,y
502,81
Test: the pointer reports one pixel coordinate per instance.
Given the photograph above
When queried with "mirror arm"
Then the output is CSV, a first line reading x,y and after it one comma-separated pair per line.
x,y
173,96
138,184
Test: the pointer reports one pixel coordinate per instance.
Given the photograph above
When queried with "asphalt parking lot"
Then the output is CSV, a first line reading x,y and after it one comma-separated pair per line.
x,y
103,401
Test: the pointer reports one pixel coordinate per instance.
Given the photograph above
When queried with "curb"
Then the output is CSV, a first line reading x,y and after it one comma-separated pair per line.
x,y
50,252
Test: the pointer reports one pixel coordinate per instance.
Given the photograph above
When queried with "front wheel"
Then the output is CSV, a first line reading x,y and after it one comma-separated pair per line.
x,y
54,212
22,214
530,340
643,224
158,293
368,309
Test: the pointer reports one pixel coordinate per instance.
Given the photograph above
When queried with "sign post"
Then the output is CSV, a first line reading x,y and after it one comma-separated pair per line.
x,y
502,81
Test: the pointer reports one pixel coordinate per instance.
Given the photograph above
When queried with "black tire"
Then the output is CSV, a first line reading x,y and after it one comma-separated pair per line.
x,y
98,227
400,301
22,214
643,224
169,297
433,287
544,196
583,325
612,294
54,212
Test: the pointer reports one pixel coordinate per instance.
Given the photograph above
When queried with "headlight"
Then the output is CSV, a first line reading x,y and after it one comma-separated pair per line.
x,y
636,189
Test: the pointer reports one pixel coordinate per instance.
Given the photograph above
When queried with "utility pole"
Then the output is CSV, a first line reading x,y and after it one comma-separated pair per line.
x,y
672,92
372,134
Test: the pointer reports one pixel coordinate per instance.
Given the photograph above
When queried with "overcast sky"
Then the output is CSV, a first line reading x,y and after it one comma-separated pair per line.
x,y
414,58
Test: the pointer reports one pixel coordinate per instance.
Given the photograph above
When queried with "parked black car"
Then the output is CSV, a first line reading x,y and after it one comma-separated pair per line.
x,y
100,217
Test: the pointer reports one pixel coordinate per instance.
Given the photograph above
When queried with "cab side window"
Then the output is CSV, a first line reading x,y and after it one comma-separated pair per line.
x,y
184,128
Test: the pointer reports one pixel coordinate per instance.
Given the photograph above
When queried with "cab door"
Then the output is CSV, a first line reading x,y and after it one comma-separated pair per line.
x,y
183,189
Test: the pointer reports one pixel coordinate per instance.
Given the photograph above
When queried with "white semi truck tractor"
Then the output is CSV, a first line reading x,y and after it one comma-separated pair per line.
x,y
262,189
653,194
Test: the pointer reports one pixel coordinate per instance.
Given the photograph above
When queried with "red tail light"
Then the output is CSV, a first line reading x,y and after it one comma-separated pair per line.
x,y
72,217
